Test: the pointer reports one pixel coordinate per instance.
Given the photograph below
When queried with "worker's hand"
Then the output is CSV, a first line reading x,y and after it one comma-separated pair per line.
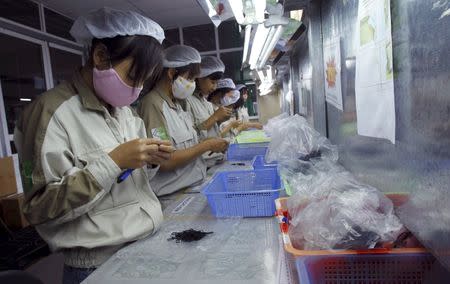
x,y
139,152
217,145
256,125
248,125
165,150
222,113
236,123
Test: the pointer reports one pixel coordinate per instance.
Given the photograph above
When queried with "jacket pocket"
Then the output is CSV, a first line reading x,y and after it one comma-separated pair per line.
x,y
119,195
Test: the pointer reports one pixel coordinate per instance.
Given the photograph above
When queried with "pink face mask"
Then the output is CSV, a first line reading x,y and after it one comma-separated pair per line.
x,y
109,87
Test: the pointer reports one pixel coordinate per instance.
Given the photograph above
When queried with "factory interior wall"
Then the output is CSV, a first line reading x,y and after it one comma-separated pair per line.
x,y
269,106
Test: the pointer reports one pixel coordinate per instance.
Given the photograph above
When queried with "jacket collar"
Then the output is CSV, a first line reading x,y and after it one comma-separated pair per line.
x,y
163,94
88,98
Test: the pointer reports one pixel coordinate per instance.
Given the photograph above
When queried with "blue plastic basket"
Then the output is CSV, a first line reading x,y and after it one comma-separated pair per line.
x,y
259,162
243,193
246,152
386,268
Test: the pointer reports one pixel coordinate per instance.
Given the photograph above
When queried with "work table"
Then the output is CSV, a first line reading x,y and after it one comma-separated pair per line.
x,y
241,250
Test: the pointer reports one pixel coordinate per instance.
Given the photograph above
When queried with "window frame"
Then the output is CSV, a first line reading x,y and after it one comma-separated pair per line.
x,y
5,136
45,41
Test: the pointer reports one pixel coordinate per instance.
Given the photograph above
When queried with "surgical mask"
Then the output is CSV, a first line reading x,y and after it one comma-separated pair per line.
x,y
109,87
182,88
230,99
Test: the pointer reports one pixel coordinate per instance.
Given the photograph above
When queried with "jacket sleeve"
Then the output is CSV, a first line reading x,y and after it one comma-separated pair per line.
x,y
151,170
64,186
197,121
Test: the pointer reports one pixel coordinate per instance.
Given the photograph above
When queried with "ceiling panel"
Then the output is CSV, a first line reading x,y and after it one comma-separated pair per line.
x,y
73,8
168,13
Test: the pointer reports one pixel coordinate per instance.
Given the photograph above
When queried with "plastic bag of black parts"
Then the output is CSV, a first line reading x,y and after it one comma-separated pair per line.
x,y
343,214
306,179
294,139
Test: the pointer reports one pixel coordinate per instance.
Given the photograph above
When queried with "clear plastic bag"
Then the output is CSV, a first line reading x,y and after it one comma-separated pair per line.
x,y
306,178
342,214
294,139
274,123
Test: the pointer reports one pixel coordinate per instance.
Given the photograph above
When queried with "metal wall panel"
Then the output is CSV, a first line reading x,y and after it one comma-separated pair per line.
x,y
307,68
419,162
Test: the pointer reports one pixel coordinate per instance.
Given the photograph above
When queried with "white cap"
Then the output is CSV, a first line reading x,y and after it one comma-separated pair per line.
x,y
180,55
240,86
210,65
230,98
109,23
226,83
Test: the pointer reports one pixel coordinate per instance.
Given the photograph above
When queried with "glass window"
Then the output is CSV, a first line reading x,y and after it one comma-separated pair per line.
x,y
246,73
64,64
13,147
200,37
251,103
172,37
229,35
23,12
21,75
58,24
233,62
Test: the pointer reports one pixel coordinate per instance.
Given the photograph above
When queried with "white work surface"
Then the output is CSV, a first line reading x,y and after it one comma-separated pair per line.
x,y
241,250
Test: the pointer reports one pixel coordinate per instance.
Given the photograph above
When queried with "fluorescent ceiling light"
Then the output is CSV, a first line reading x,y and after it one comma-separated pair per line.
x,y
238,10
25,100
261,75
248,34
258,44
248,12
260,7
270,44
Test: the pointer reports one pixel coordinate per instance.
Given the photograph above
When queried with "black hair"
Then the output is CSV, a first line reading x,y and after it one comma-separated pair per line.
x,y
215,76
146,52
243,89
217,92
192,70
240,103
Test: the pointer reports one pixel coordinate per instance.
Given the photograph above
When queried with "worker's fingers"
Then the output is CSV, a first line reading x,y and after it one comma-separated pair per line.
x,y
166,148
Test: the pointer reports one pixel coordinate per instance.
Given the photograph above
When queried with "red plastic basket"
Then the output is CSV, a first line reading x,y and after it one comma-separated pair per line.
x,y
387,268
283,220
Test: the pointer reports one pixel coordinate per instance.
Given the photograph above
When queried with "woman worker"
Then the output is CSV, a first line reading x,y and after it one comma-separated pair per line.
x,y
165,118
77,138
242,110
226,96
206,120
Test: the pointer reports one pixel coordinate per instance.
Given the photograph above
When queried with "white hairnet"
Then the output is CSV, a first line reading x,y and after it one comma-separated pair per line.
x,y
230,98
108,23
210,65
180,55
240,86
226,83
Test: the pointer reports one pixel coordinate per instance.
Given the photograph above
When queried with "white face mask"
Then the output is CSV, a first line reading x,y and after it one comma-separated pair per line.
x,y
182,88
